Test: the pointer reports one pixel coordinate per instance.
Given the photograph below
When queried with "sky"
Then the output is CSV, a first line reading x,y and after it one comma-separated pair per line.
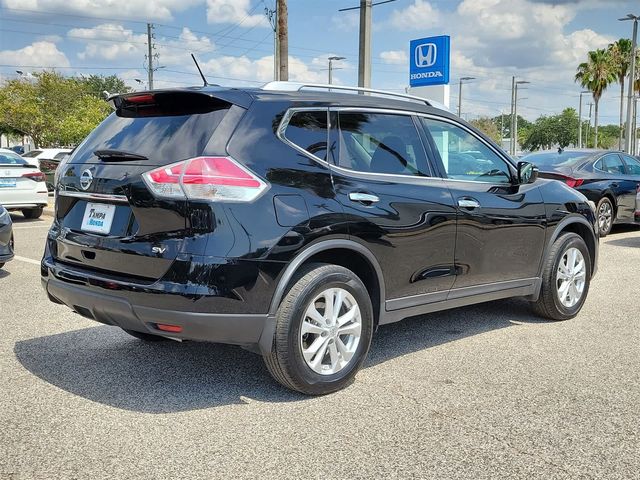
x,y
540,41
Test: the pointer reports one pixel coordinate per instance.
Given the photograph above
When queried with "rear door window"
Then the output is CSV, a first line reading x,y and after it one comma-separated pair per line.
x,y
308,130
381,143
611,163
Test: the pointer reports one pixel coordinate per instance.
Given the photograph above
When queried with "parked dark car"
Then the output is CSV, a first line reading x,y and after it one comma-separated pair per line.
x,y
608,178
293,221
6,237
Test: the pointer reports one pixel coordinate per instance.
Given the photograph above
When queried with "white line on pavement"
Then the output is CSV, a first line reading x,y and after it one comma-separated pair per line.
x,y
27,260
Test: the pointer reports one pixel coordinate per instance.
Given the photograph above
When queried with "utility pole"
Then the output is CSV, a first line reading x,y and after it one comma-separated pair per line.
x,y
632,77
460,93
364,54
580,119
283,39
272,15
150,55
512,126
589,124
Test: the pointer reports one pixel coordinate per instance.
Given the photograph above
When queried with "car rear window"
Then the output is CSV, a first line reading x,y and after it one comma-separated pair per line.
x,y
32,153
11,159
163,137
555,159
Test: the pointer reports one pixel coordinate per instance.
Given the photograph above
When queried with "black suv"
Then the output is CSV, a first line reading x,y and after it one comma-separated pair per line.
x,y
293,220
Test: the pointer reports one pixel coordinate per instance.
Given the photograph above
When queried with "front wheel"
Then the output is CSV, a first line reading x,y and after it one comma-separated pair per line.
x,y
323,331
566,278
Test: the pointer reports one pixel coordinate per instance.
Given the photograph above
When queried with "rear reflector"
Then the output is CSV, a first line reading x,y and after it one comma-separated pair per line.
x,y
169,328
36,176
206,178
144,98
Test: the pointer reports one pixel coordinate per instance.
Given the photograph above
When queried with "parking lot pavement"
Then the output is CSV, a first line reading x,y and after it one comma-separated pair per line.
x,y
483,392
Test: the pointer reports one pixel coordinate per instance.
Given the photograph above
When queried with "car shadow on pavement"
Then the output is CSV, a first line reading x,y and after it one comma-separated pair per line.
x,y
105,365
4,274
624,242
19,219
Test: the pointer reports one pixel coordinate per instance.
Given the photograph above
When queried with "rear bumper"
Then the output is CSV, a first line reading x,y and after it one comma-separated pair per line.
x,y
250,330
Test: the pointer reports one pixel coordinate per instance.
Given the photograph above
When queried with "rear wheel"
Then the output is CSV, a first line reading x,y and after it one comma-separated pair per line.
x,y
323,331
147,337
605,216
565,278
32,212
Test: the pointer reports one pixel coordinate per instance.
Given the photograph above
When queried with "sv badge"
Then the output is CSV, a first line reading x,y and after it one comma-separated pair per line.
x,y
159,250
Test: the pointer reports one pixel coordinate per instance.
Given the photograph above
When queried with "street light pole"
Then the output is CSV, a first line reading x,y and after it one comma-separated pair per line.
x,y
514,118
589,124
460,94
580,119
632,77
331,60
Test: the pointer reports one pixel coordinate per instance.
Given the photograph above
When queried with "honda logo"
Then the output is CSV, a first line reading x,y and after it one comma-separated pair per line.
x,y
425,55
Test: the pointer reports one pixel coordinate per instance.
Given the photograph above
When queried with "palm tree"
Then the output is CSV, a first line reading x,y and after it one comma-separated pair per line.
x,y
596,75
620,54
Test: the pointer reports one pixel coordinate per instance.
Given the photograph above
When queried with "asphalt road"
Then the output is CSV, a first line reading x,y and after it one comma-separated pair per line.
x,y
481,392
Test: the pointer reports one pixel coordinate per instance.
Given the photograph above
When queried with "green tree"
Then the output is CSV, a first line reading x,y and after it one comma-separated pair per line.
x,y
97,84
551,131
488,127
620,53
596,75
51,109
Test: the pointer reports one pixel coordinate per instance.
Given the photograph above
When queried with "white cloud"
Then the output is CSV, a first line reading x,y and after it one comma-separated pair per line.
x,y
395,57
138,9
251,72
236,12
37,54
115,42
420,15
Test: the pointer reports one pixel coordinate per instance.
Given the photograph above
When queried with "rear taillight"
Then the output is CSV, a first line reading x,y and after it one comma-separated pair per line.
x,y
36,176
572,182
205,178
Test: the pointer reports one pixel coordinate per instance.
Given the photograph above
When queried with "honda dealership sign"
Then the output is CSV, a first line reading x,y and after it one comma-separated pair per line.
x,y
429,61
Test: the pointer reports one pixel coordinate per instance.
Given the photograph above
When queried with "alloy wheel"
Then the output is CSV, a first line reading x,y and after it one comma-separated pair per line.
x,y
605,215
571,276
330,331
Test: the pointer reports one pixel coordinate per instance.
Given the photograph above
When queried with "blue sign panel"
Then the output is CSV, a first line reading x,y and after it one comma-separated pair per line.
x,y
429,61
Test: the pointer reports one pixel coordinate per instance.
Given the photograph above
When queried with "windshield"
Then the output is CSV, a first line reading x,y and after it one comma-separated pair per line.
x,y
7,158
555,159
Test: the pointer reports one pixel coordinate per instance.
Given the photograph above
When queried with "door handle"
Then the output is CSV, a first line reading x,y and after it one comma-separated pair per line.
x,y
468,203
366,198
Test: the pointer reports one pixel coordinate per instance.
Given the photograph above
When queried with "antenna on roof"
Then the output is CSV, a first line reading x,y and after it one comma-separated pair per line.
x,y
199,70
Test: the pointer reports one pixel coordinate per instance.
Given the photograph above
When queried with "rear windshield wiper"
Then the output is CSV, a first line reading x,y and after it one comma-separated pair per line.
x,y
118,156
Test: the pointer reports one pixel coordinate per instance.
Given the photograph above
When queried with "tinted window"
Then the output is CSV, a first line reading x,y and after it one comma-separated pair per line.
x,y
611,163
308,130
11,159
32,153
60,156
465,156
162,139
380,143
633,165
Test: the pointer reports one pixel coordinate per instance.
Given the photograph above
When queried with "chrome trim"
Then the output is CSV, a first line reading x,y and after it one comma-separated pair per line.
x,y
363,197
94,196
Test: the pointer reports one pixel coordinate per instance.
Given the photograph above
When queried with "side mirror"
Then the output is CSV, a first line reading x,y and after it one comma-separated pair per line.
x,y
527,173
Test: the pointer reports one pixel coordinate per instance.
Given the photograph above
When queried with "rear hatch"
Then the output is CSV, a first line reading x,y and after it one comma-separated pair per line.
x,y
107,218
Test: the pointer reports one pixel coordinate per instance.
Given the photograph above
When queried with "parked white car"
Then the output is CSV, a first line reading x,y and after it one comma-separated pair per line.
x,y
35,156
22,185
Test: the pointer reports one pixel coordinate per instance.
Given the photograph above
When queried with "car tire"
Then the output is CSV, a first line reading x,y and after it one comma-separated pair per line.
x,y
566,277
292,361
32,212
605,215
147,337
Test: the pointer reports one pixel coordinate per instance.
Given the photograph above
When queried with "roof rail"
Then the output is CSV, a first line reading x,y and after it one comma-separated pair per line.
x,y
297,86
